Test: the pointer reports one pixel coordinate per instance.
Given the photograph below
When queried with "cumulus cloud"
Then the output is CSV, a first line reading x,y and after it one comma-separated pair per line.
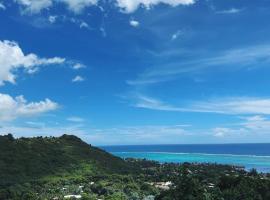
x,y
78,66
12,58
52,19
12,108
78,5
84,25
34,6
130,6
134,23
78,79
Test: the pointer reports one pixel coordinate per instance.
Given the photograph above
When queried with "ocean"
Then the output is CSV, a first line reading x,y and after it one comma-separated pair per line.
x,y
247,155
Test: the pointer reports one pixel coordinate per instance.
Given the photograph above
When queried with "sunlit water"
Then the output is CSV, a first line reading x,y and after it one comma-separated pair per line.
x,y
247,155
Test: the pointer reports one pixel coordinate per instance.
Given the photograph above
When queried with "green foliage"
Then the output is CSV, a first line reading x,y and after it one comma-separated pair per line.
x,y
28,159
47,168
217,185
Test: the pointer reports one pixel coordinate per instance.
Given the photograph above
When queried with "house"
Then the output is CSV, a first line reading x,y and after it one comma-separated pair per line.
x,y
73,196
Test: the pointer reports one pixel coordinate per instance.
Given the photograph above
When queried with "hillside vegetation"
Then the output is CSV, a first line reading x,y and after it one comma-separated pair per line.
x,y
57,168
27,159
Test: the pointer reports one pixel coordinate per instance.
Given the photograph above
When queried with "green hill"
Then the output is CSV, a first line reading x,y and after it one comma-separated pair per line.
x,y
50,168
27,159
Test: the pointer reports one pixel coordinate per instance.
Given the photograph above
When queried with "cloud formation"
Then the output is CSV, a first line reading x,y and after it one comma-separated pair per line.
x,y
130,6
13,108
134,23
52,19
221,132
78,66
154,104
231,106
78,79
246,57
2,6
256,125
77,6
12,58
229,11
35,6
234,106
84,25
149,134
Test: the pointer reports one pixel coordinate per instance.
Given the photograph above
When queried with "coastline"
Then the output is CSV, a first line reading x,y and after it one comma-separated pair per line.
x,y
260,163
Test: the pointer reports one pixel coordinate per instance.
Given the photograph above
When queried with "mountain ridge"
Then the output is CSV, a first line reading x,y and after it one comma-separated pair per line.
x,y
40,157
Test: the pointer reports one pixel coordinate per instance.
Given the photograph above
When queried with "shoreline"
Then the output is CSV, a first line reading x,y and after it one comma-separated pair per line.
x,y
247,163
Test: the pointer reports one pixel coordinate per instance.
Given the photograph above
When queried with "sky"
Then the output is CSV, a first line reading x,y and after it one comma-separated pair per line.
x,y
136,71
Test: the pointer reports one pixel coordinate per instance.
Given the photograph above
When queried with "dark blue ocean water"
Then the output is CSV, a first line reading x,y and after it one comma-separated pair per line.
x,y
247,155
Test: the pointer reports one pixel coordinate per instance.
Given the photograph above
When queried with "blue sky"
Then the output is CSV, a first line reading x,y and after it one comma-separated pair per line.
x,y
136,71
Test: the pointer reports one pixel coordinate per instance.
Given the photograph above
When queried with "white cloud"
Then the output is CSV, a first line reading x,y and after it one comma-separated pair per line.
x,y
12,58
176,35
2,6
78,22
77,6
34,6
252,126
84,25
257,124
229,11
221,132
234,59
75,119
130,6
78,79
134,23
12,108
140,134
234,106
254,118
231,106
118,135
239,133
52,19
78,66
148,134
153,104
103,31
